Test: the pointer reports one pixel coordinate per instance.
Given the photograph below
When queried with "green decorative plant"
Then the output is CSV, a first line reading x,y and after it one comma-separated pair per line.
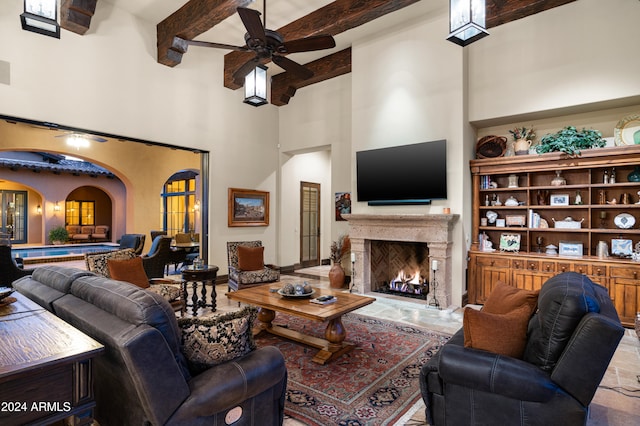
x,y
570,141
59,233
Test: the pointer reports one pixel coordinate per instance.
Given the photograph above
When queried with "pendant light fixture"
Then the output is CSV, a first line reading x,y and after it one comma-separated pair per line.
x,y
255,86
466,21
41,16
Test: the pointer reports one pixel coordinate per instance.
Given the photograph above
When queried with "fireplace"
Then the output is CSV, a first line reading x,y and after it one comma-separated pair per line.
x,y
400,268
427,238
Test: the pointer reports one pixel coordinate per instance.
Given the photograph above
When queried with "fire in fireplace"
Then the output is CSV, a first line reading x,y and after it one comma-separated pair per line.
x,y
400,268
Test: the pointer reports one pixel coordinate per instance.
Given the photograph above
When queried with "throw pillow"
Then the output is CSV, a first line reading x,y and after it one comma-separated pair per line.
x,y
97,262
129,270
505,298
211,341
504,334
250,258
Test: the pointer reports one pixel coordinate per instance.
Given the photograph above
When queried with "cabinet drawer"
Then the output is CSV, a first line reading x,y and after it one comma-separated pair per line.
x,y
582,268
624,272
499,262
563,267
548,266
599,270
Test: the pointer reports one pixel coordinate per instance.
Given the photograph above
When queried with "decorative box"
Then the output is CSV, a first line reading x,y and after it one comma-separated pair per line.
x,y
567,223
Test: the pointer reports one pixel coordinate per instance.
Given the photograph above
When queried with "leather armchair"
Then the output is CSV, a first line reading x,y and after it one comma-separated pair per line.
x,y
570,342
9,269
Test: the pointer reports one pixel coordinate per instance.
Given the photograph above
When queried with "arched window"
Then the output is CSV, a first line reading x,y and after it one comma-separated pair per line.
x,y
179,203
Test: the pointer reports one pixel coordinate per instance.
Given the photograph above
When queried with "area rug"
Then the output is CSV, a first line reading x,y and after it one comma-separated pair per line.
x,y
375,384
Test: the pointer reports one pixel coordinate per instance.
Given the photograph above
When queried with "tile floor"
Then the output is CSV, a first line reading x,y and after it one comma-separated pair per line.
x,y
616,403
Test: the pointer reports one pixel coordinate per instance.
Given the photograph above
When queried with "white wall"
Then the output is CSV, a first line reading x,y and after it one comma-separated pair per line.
x,y
314,167
109,81
408,87
580,53
318,118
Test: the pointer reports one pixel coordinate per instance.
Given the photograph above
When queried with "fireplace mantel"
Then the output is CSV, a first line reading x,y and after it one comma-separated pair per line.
x,y
433,229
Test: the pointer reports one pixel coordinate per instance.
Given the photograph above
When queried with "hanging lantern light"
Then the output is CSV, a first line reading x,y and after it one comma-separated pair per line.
x,y
466,21
41,16
255,86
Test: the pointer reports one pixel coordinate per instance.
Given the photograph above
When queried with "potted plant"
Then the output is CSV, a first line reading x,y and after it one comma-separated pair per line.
x,y
570,141
338,249
58,235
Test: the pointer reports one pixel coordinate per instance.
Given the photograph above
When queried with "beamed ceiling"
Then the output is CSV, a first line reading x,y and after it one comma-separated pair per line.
x,y
197,17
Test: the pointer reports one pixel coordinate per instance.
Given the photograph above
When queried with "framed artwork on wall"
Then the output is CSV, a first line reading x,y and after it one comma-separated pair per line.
x,y
248,207
343,204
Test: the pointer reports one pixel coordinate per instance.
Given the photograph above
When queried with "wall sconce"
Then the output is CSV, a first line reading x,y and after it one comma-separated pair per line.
x,y
41,16
255,86
56,207
466,21
77,141
196,206
39,209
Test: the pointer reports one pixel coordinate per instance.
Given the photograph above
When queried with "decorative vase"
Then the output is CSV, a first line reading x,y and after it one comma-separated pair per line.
x,y
336,276
558,180
522,146
634,176
511,150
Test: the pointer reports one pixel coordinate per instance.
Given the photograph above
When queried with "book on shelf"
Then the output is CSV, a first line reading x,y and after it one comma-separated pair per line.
x,y
534,219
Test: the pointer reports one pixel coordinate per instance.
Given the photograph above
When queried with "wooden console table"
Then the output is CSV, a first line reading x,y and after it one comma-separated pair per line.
x,y
45,367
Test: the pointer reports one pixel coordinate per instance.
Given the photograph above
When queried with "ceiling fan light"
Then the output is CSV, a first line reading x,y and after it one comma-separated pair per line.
x,y
255,86
466,21
41,16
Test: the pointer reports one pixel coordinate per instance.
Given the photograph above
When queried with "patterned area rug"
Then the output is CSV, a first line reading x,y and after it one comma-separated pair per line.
x,y
375,384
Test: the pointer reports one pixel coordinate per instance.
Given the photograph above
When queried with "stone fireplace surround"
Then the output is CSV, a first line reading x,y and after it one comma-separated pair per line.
x,y
433,229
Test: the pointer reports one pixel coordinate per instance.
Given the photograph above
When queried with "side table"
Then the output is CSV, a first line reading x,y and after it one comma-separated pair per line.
x,y
203,275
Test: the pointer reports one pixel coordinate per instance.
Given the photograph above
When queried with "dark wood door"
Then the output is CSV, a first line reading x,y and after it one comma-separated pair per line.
x,y
309,224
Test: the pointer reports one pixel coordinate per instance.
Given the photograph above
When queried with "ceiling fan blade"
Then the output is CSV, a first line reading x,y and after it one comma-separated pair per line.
x,y
242,72
292,67
251,20
211,44
308,44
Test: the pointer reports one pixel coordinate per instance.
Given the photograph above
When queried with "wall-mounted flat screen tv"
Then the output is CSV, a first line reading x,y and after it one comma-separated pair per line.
x,y
406,174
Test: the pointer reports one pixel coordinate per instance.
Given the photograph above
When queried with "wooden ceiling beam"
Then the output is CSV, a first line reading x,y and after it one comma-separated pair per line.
x,y
502,11
284,85
188,22
332,19
75,15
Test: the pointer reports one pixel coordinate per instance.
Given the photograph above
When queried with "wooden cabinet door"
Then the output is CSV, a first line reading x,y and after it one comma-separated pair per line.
x,y
530,274
626,298
487,271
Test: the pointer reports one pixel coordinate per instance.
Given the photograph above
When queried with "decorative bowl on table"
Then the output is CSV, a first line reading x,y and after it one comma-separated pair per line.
x,y
4,292
297,290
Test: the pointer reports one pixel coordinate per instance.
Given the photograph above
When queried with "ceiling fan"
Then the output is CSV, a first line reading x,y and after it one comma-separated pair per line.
x,y
266,44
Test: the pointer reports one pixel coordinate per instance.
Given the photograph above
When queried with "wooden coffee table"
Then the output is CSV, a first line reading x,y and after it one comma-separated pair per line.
x,y
269,302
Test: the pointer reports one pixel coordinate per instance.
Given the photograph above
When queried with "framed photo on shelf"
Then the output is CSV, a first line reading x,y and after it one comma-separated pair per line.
x,y
570,248
510,242
621,247
248,207
559,199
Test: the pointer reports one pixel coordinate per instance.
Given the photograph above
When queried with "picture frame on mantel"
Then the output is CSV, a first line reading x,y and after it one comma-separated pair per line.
x,y
247,207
